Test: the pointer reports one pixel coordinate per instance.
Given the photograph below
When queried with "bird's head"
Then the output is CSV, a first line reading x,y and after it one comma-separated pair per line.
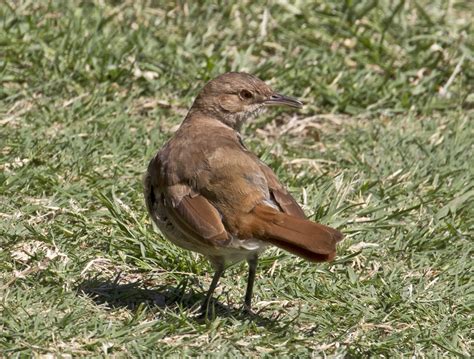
x,y
235,96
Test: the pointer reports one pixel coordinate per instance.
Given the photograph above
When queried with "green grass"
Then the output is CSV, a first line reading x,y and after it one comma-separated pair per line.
x,y
382,150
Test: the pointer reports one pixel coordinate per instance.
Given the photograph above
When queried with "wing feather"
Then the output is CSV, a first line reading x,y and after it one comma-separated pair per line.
x,y
279,193
200,218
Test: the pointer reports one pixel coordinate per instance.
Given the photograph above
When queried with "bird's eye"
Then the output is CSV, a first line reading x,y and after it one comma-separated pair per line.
x,y
245,95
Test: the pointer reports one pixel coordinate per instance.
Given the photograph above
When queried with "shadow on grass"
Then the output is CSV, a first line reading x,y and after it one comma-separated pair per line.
x,y
135,294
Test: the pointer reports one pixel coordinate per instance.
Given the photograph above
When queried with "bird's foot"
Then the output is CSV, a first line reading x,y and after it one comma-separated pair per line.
x,y
207,311
247,310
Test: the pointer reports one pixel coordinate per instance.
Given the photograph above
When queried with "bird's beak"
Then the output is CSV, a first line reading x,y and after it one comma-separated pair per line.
x,y
277,99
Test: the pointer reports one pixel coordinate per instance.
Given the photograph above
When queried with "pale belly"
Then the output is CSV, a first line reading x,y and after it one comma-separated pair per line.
x,y
231,253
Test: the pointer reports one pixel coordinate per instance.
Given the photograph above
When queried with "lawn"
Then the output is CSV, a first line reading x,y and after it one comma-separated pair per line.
x,y
382,150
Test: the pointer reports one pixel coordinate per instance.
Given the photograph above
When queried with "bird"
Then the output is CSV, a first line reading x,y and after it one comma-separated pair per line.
x,y
208,193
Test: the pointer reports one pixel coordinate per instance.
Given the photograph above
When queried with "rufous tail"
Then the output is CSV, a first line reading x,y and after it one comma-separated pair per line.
x,y
312,241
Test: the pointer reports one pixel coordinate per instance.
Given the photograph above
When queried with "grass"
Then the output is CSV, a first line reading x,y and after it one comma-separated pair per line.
x,y
382,150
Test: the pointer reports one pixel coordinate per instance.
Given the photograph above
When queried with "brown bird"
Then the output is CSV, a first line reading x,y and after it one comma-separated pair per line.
x,y
208,193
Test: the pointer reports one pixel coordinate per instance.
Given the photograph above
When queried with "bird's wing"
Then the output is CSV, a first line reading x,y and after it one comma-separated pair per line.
x,y
191,212
280,195
199,218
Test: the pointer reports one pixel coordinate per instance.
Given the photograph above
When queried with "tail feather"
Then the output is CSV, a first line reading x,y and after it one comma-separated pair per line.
x,y
310,240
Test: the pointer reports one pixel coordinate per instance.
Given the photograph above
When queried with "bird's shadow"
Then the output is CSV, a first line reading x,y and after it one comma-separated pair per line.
x,y
136,294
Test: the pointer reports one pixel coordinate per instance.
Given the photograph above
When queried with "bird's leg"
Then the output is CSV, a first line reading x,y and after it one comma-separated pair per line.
x,y
252,261
212,287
